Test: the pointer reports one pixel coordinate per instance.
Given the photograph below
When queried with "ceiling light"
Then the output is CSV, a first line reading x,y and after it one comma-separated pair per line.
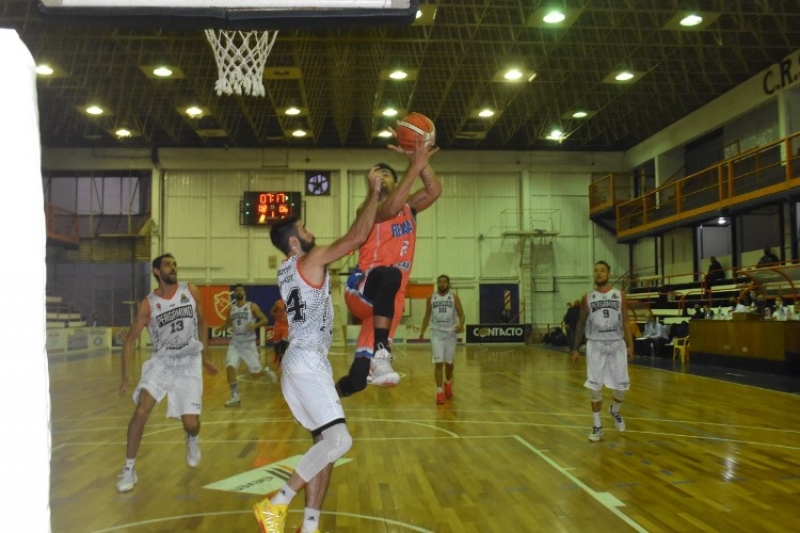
x,y
44,70
299,133
385,134
556,134
624,76
94,110
419,13
513,74
398,75
292,111
162,72
554,17
691,20
580,114
123,133
390,112
194,112
722,221
485,113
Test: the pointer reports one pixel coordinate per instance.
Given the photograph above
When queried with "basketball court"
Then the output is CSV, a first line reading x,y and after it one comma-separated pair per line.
x,y
509,452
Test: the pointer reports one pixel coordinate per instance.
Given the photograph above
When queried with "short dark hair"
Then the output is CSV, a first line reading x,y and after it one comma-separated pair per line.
x,y
237,286
385,166
601,262
281,231
445,276
157,262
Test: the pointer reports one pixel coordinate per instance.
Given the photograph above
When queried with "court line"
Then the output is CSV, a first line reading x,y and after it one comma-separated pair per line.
x,y
606,499
388,521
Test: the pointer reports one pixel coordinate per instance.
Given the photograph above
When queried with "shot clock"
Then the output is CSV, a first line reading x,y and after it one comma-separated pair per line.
x,y
262,208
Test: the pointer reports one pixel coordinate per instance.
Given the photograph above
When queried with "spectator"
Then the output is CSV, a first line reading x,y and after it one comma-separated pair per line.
x,y
768,258
780,312
715,271
793,313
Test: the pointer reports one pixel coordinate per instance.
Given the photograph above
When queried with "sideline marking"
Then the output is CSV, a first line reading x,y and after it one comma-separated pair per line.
x,y
608,500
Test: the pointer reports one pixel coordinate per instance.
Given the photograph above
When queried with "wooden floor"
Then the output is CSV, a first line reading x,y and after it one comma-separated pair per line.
x,y
509,453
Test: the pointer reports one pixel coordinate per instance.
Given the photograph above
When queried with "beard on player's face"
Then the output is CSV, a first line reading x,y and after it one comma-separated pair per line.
x,y
307,245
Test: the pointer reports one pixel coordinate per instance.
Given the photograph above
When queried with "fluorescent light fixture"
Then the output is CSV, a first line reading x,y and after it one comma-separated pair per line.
x,y
691,20
554,17
385,134
94,110
292,111
162,72
580,114
44,70
486,113
625,75
398,75
513,74
390,112
194,112
123,133
299,133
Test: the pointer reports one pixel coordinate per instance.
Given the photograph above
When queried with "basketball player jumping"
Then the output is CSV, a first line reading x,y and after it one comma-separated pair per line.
x,y
375,291
307,376
608,348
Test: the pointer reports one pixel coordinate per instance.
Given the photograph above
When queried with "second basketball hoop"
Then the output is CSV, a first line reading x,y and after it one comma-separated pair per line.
x,y
241,57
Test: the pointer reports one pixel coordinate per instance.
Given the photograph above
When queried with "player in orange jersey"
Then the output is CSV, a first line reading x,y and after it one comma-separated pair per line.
x,y
280,332
375,291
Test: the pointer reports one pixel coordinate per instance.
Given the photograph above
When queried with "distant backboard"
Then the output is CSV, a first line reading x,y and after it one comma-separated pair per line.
x,y
234,14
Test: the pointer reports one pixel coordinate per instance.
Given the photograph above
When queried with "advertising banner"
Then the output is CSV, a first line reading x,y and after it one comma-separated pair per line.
x,y
497,333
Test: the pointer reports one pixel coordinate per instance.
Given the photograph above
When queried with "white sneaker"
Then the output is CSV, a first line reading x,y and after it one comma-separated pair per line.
x,y
233,401
381,371
596,434
619,423
192,451
127,479
271,376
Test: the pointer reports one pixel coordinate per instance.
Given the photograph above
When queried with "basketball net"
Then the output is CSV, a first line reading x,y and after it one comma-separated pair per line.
x,y
241,57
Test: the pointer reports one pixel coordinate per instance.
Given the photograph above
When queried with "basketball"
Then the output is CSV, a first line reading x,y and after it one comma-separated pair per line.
x,y
413,126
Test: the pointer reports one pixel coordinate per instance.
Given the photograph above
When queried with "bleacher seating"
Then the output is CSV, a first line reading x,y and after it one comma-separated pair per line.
x,y
61,315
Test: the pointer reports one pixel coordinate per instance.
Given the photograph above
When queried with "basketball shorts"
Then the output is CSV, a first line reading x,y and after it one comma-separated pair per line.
x,y
308,387
443,346
280,332
243,351
607,365
181,382
361,307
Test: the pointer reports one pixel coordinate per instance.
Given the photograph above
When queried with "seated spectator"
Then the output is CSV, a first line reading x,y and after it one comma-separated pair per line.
x,y
793,313
743,305
768,258
779,311
760,306
698,313
664,337
642,343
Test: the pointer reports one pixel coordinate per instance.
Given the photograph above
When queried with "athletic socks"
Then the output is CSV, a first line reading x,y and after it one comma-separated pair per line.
x,y
597,422
284,496
310,520
615,408
130,462
234,388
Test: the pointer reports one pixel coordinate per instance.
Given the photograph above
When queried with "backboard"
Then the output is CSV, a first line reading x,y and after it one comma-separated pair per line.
x,y
234,14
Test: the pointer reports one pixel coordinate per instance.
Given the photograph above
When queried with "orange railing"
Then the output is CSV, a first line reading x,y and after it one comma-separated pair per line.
x,y
608,191
761,172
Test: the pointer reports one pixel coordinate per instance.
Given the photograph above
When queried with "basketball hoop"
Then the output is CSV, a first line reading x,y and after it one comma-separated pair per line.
x,y
241,57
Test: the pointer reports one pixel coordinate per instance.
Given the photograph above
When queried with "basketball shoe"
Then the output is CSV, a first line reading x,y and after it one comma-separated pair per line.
x,y
127,480
271,518
619,423
233,401
383,375
192,450
448,390
596,434
439,398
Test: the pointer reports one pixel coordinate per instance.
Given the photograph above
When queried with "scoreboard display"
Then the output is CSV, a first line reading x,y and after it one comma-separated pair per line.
x,y
262,208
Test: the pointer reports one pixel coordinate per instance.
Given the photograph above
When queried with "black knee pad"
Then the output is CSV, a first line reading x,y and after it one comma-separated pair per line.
x,y
383,301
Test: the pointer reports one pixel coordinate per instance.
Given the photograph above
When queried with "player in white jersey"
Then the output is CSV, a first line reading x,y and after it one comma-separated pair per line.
x,y
609,346
174,315
446,318
244,318
306,373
